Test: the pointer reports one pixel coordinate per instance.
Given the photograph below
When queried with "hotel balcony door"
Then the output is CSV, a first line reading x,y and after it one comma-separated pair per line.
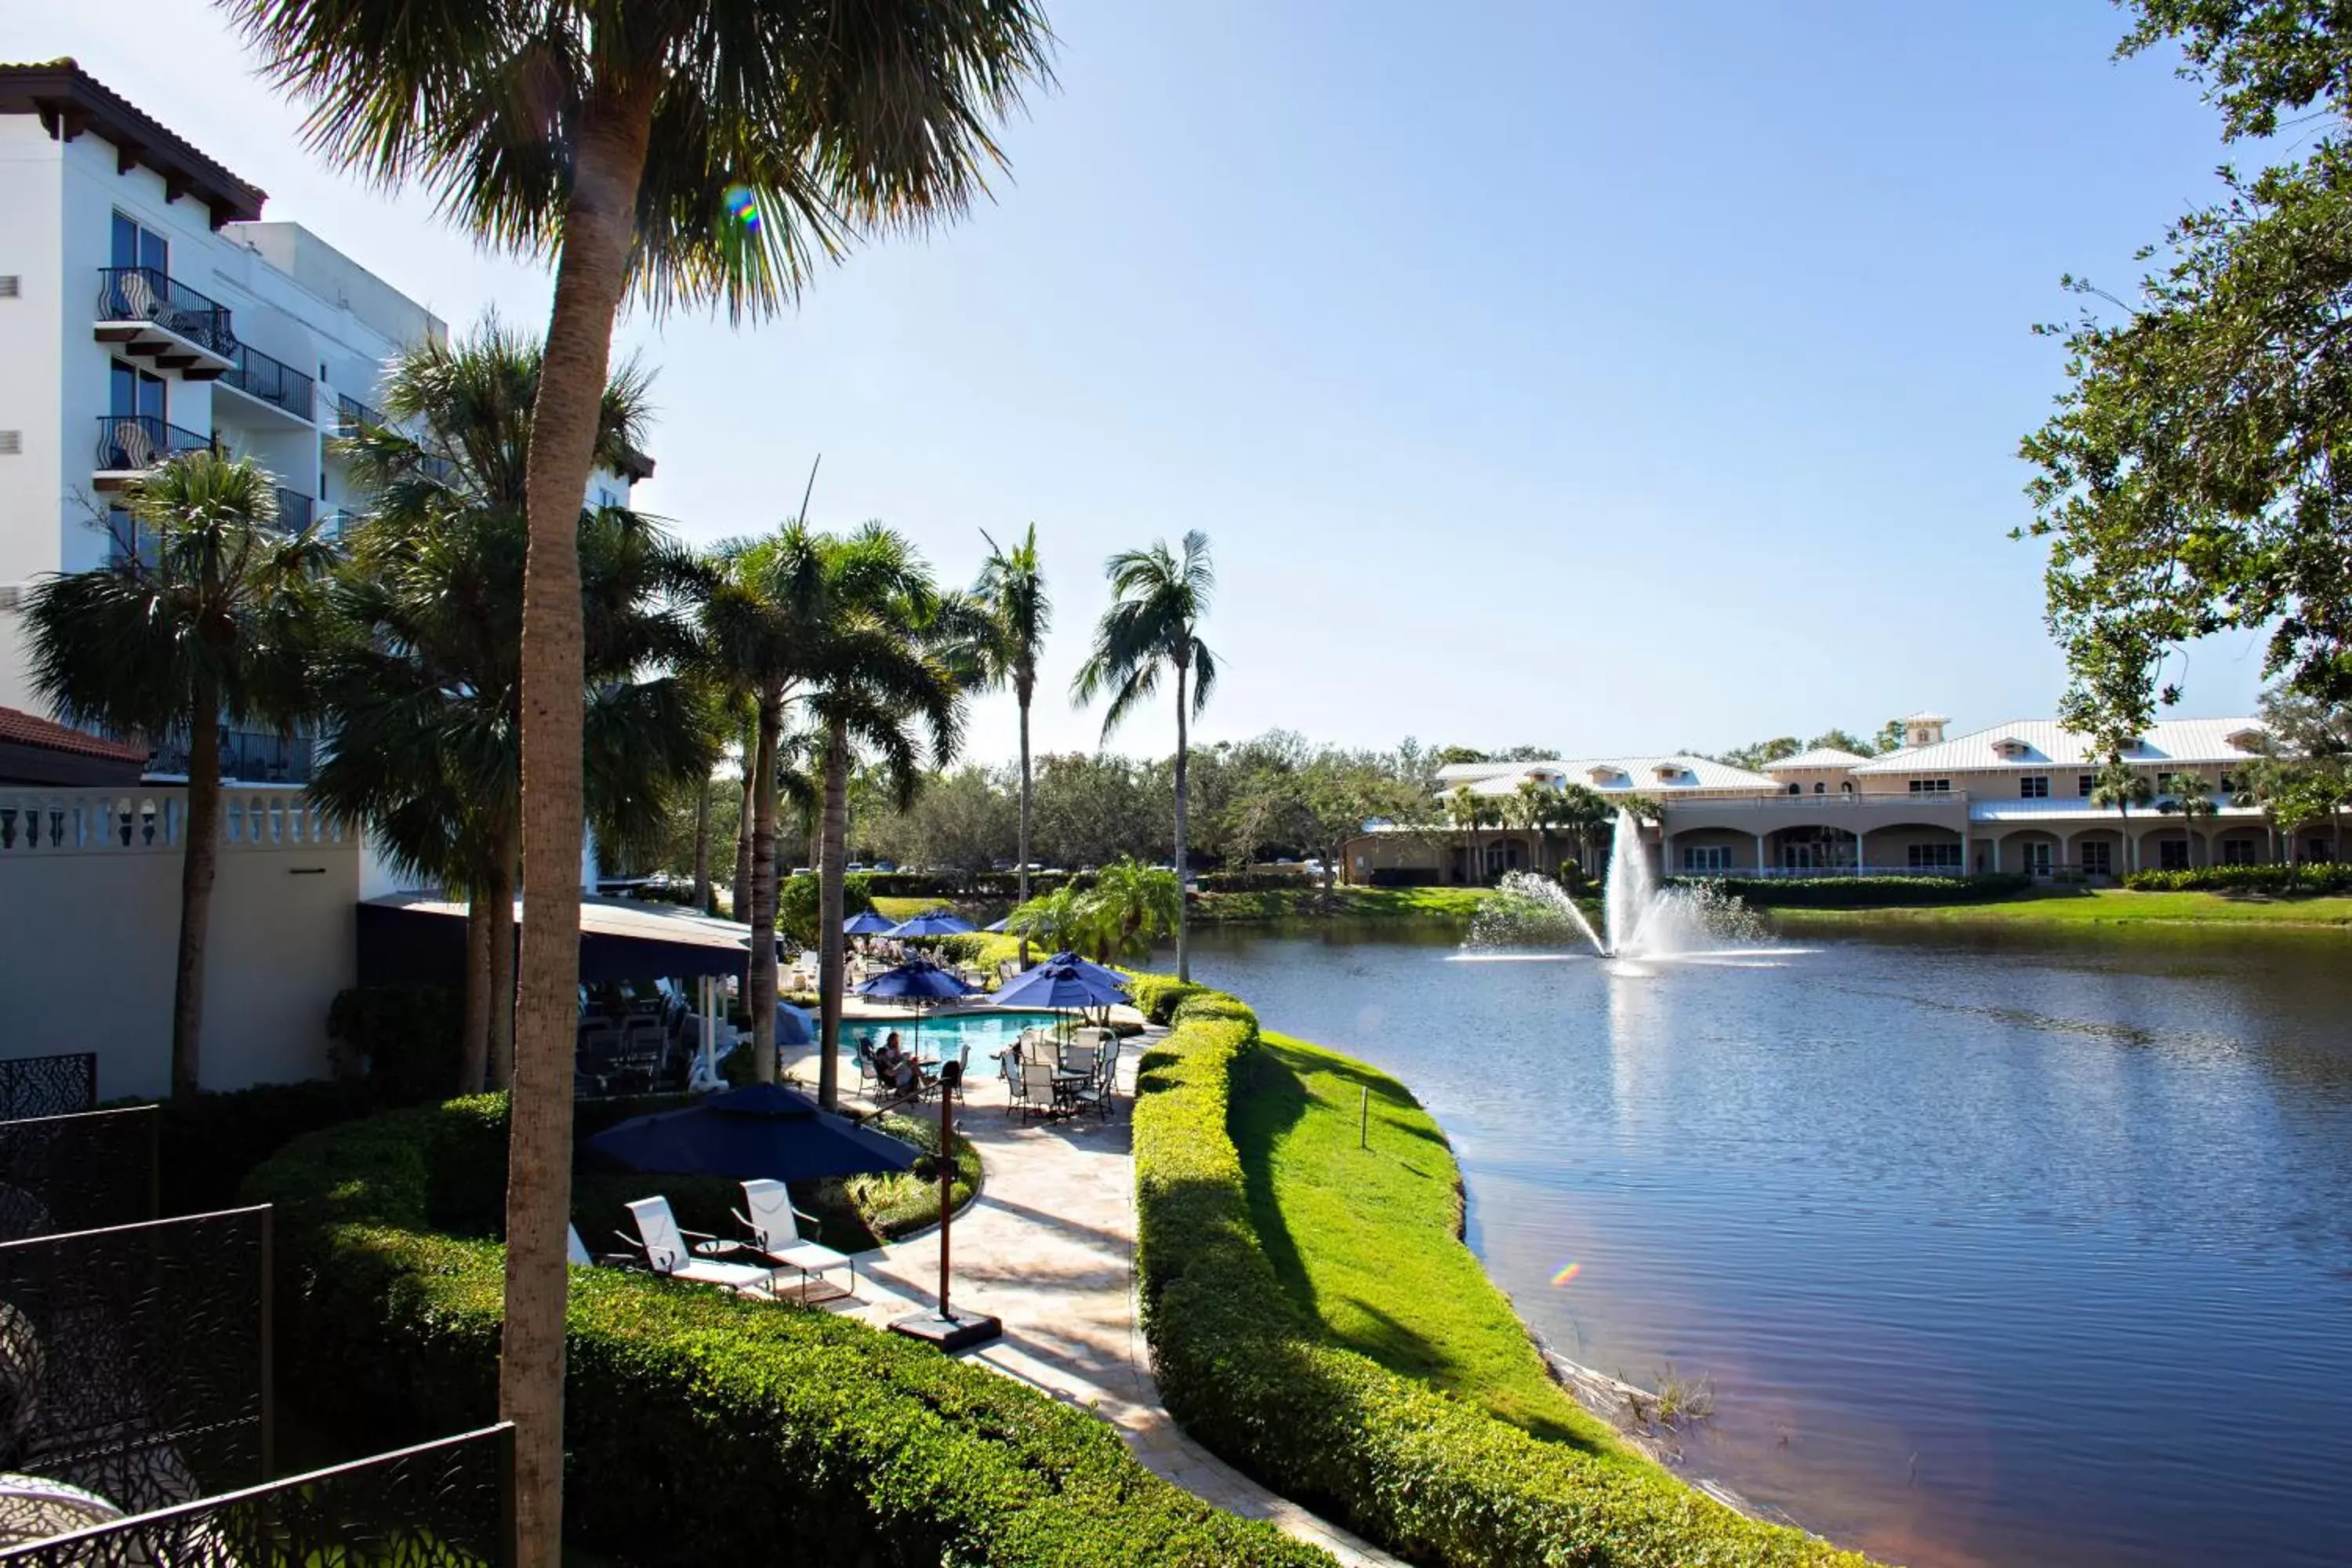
x,y
2037,858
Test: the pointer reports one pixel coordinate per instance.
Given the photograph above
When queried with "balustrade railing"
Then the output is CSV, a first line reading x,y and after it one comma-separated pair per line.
x,y
135,1361
130,442
294,509
151,294
79,1171
351,416
272,380
444,1504
58,1084
154,821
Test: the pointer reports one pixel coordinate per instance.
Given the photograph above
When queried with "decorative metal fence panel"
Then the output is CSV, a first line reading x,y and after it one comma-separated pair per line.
x,y
60,1173
135,1361
48,1086
442,1504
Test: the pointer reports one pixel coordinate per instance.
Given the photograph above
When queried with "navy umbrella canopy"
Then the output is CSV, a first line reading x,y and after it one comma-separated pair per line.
x,y
764,1129
865,923
1058,987
931,922
1089,968
917,980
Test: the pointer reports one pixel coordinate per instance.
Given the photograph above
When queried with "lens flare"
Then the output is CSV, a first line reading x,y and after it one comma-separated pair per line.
x,y
1566,1273
742,207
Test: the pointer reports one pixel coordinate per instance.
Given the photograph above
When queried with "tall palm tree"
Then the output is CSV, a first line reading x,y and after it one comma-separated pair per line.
x,y
2191,798
702,151
2122,786
1465,810
1012,594
1584,814
422,684
1132,906
220,626
1153,626
893,661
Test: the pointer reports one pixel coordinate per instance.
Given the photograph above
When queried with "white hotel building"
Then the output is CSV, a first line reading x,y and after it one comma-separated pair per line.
x,y
2012,797
146,309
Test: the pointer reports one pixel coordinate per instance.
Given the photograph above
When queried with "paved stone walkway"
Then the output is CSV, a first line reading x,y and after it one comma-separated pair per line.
x,y
1049,1248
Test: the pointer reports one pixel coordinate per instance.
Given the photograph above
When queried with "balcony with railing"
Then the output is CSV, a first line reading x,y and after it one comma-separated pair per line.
x,y
351,416
295,509
144,312
130,444
285,394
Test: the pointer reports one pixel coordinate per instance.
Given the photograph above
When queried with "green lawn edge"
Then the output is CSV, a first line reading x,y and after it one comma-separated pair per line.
x,y
2098,907
1368,1240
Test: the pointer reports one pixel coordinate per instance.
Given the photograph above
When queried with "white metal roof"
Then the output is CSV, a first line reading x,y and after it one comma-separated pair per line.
x,y
2046,742
1610,776
1819,757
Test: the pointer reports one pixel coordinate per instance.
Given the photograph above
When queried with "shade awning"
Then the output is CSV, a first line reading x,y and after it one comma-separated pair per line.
x,y
418,939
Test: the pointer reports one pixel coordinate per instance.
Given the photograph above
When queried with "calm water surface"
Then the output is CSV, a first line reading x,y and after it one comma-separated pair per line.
x,y
1996,1250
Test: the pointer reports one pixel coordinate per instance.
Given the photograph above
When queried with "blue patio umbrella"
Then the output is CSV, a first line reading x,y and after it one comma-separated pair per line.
x,y
1057,987
765,1130
794,1025
867,923
1089,968
931,922
917,980
996,927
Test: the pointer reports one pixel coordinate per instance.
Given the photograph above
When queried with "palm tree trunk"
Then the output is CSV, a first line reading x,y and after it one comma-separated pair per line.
x,y
499,1068
702,848
474,1056
199,862
760,994
1025,692
598,228
1183,921
738,901
832,857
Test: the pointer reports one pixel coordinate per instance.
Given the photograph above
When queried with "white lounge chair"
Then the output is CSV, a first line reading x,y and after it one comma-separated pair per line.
x,y
665,1246
775,1227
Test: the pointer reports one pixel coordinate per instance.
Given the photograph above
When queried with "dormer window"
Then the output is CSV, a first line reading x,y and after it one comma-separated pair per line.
x,y
1667,773
2247,740
1605,777
2010,747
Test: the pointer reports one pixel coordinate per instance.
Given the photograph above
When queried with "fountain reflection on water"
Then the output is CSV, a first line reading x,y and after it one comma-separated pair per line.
x,y
1640,920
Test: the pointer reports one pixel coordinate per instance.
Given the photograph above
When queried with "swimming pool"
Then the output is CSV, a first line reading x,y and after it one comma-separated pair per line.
x,y
987,1033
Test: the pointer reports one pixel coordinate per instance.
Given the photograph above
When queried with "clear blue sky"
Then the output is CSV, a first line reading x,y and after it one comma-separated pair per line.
x,y
1608,377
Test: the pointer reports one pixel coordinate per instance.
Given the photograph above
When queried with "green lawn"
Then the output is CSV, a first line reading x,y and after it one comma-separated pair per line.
x,y
1368,1240
906,908
2095,907
1347,903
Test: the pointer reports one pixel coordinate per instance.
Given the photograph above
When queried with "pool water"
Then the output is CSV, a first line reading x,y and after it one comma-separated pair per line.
x,y
942,1035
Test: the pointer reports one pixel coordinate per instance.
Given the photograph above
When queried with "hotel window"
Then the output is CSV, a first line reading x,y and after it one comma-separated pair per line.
x,y
2167,784
2226,786
2237,852
132,392
1935,856
1796,789
2098,858
135,245
2172,855
1821,789
2034,787
1703,857
2084,784
1931,786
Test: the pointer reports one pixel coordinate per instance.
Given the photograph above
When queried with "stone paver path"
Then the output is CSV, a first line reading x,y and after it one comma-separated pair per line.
x,y
1049,1248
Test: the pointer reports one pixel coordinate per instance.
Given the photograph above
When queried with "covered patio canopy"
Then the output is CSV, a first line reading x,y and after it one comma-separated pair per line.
x,y
412,939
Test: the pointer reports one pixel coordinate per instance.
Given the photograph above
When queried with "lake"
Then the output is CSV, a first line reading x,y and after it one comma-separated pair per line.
x,y
1996,1247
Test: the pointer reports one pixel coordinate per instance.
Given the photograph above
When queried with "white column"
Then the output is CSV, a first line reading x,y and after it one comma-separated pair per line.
x,y
1964,850
1665,853
710,1028
1860,858
1760,853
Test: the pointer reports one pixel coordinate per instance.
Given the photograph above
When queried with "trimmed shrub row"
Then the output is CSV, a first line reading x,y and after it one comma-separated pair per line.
x,y
1425,1475
2319,877
1863,892
699,1427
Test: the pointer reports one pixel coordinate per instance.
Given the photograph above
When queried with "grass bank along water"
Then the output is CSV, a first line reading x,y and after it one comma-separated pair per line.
x,y
1275,1386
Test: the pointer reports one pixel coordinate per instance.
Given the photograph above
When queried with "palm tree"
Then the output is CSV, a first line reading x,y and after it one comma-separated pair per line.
x,y
1061,919
1534,804
2192,797
889,663
1584,813
422,683
1012,594
1132,906
1465,809
221,626
2122,786
1153,625
700,152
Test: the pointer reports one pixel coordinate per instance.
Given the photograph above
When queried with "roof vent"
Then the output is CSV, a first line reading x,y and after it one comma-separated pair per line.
x,y
12,596
12,442
11,284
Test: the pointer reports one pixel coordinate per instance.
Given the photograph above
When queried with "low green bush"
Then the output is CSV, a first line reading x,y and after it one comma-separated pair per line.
x,y
206,1146
407,1036
1157,996
1428,1476
1863,892
699,1427
2312,877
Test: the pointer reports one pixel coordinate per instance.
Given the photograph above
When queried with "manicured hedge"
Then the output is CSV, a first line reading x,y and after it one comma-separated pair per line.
x,y
1157,996
1863,892
699,1428
2322,876
1426,1476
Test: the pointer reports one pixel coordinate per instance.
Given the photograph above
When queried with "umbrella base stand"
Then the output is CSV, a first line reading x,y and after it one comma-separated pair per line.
x,y
961,1331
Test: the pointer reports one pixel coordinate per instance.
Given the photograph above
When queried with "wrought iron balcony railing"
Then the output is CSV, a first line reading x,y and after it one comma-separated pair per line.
x,y
272,380
442,1504
44,1086
351,414
138,1357
78,1171
130,442
294,509
151,294
255,756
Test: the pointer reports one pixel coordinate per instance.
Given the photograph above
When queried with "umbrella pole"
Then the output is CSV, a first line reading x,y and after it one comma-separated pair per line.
x,y
947,1191
943,1328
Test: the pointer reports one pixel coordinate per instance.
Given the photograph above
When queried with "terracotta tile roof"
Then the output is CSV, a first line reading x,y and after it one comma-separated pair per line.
x,y
18,727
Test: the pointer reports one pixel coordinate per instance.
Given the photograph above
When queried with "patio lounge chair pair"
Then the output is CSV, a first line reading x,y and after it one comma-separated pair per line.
x,y
773,1243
